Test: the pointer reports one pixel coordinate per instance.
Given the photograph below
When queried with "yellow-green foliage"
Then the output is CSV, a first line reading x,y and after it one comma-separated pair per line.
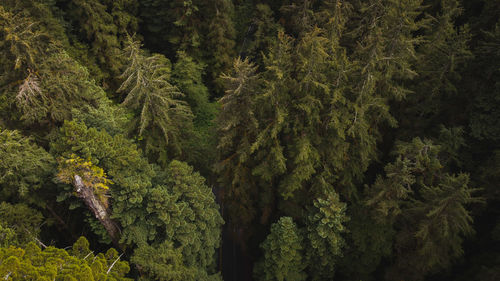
x,y
92,175
33,263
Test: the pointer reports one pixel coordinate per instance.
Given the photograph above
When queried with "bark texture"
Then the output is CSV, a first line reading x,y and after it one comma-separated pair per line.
x,y
100,211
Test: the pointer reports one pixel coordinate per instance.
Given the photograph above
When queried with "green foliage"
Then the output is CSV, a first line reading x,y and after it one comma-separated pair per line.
x,y
175,25
237,126
322,93
106,116
220,39
186,220
325,224
266,30
426,205
25,167
442,52
32,263
283,253
153,207
314,120
64,84
368,241
187,213
40,78
486,108
199,147
104,25
162,117
121,161
162,262
19,224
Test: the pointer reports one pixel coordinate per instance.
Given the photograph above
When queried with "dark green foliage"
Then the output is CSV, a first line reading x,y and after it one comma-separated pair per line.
x,y
152,207
289,109
484,116
442,52
175,25
368,241
25,167
237,128
317,111
427,207
103,24
220,39
199,146
185,212
19,224
266,30
187,222
39,78
161,117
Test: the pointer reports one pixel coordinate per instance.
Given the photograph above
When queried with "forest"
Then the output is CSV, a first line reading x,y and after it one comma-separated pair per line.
x,y
287,140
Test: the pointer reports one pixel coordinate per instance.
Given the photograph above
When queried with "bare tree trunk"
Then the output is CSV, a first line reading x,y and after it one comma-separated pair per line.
x,y
86,193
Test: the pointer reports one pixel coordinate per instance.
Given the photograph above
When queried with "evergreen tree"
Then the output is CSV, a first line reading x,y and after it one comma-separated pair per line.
x,y
162,116
25,167
187,222
104,26
443,51
39,78
152,207
427,207
122,161
266,30
484,113
22,222
173,26
283,251
220,39
236,125
200,146
325,224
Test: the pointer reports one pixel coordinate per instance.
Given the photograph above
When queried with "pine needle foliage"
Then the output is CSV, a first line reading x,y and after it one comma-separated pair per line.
x,y
283,250
157,103
426,205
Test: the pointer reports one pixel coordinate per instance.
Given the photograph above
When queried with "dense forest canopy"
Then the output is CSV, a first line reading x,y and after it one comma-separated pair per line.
x,y
250,140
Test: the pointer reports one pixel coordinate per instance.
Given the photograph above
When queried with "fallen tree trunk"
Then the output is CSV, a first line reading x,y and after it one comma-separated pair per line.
x,y
100,211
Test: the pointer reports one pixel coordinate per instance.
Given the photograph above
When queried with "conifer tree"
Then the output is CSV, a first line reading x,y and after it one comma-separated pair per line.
x,y
104,25
162,117
21,221
40,79
266,30
25,167
220,39
153,207
121,160
187,222
283,253
200,146
173,26
325,224
442,52
237,125
427,206
484,113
